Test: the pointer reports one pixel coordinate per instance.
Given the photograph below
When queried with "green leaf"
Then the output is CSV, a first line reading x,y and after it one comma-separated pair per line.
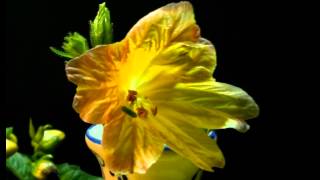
x,y
39,135
72,172
31,129
61,53
20,165
101,27
74,45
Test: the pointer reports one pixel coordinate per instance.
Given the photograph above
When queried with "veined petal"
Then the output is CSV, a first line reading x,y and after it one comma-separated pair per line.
x,y
130,146
180,62
171,23
219,96
168,67
164,48
210,104
200,116
95,74
189,142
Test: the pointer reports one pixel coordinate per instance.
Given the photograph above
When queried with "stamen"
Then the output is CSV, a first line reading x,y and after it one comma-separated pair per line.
x,y
128,111
139,106
122,177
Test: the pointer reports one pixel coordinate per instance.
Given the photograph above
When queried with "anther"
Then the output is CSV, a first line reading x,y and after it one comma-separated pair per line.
x,y
154,110
142,113
132,95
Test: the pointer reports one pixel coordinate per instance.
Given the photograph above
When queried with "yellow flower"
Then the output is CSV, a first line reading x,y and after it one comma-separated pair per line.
x,y
155,87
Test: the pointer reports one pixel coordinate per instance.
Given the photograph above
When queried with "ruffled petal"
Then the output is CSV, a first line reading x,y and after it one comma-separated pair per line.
x,y
166,62
164,48
95,74
174,22
189,142
130,146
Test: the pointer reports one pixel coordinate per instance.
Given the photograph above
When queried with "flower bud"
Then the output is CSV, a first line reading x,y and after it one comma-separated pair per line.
x,y
11,147
42,168
51,139
101,27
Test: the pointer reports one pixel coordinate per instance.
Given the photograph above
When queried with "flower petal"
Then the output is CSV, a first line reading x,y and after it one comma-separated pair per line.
x,y
189,142
221,96
165,47
213,96
171,23
180,62
200,116
130,146
95,74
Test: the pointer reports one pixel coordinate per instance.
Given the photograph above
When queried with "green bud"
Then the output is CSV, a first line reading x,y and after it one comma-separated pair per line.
x,y
13,138
11,148
10,135
42,168
74,45
51,139
101,27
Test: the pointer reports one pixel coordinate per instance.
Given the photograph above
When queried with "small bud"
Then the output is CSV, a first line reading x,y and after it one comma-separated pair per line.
x,y
101,27
10,135
42,168
13,138
11,148
50,140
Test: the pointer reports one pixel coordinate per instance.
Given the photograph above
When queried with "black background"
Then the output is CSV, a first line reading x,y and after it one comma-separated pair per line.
x,y
36,85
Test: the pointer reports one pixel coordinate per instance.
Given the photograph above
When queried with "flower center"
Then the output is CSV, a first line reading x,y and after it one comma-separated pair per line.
x,y
139,106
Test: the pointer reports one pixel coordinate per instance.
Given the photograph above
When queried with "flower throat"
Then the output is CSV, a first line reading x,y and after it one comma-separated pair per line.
x,y
138,106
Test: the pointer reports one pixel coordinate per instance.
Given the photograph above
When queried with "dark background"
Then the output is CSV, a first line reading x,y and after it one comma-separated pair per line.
x,y
36,85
